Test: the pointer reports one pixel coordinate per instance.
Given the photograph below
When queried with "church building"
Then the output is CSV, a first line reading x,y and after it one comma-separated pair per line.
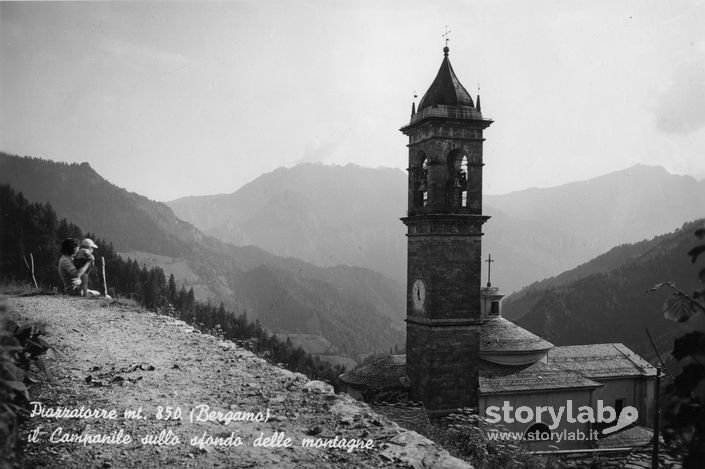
x,y
460,351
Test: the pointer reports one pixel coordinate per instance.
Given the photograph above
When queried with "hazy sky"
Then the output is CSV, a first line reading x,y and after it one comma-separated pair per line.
x,y
172,99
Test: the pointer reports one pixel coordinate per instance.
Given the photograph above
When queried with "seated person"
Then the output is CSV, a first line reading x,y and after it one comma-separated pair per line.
x,y
70,275
83,257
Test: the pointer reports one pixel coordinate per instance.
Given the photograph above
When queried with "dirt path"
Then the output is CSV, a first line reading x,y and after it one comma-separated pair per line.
x,y
112,357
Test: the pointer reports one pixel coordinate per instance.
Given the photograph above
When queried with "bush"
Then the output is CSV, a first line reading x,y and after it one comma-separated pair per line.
x,y
20,349
462,435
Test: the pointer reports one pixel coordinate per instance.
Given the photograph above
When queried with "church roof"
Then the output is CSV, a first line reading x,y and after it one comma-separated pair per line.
x,y
446,89
600,361
499,335
539,376
388,371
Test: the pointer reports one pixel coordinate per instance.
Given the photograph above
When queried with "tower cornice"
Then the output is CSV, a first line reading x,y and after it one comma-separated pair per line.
x,y
445,217
466,117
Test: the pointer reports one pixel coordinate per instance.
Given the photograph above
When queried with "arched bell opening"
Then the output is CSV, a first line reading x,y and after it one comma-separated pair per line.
x,y
457,179
420,182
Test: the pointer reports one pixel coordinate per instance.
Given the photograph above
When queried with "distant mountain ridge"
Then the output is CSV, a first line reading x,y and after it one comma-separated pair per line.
x,y
327,215
357,310
332,215
602,212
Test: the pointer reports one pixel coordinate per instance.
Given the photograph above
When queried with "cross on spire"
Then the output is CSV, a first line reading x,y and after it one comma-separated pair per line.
x,y
489,261
445,35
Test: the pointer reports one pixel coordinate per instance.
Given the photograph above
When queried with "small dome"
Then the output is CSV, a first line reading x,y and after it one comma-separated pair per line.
x,y
505,343
446,88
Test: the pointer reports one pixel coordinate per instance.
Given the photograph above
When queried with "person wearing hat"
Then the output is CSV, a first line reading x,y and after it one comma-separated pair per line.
x,y
85,257
70,275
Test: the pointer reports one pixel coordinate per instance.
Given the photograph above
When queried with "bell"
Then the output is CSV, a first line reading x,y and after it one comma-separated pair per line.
x,y
456,184
422,187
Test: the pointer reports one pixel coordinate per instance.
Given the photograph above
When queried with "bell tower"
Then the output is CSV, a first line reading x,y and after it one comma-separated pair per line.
x,y
444,227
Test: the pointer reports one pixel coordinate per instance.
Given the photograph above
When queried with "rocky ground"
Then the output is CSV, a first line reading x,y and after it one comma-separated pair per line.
x,y
158,375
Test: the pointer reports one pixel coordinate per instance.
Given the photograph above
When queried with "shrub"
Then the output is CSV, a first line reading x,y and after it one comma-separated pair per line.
x,y
20,349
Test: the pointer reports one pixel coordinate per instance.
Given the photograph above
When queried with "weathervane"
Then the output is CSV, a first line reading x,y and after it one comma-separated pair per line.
x,y
445,35
489,269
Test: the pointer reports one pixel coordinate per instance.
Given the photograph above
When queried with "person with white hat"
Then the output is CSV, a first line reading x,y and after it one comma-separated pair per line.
x,y
83,257
70,275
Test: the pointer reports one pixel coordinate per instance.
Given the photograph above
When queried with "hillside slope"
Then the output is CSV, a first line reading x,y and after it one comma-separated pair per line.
x,y
112,357
521,302
613,305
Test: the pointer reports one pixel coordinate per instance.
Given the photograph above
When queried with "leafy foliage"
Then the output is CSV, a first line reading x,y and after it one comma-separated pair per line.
x,y
691,344
678,308
685,413
20,349
463,436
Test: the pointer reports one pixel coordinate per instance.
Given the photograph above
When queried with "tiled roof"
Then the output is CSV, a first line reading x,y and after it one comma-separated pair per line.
x,y
390,372
534,377
600,360
386,372
410,416
499,335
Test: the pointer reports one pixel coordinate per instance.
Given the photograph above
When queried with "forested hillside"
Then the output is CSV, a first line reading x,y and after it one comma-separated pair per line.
x,y
521,302
613,305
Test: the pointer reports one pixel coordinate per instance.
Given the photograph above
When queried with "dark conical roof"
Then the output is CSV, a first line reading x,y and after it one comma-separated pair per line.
x,y
446,88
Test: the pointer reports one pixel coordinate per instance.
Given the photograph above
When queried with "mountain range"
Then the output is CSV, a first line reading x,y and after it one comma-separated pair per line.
x,y
332,215
326,215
